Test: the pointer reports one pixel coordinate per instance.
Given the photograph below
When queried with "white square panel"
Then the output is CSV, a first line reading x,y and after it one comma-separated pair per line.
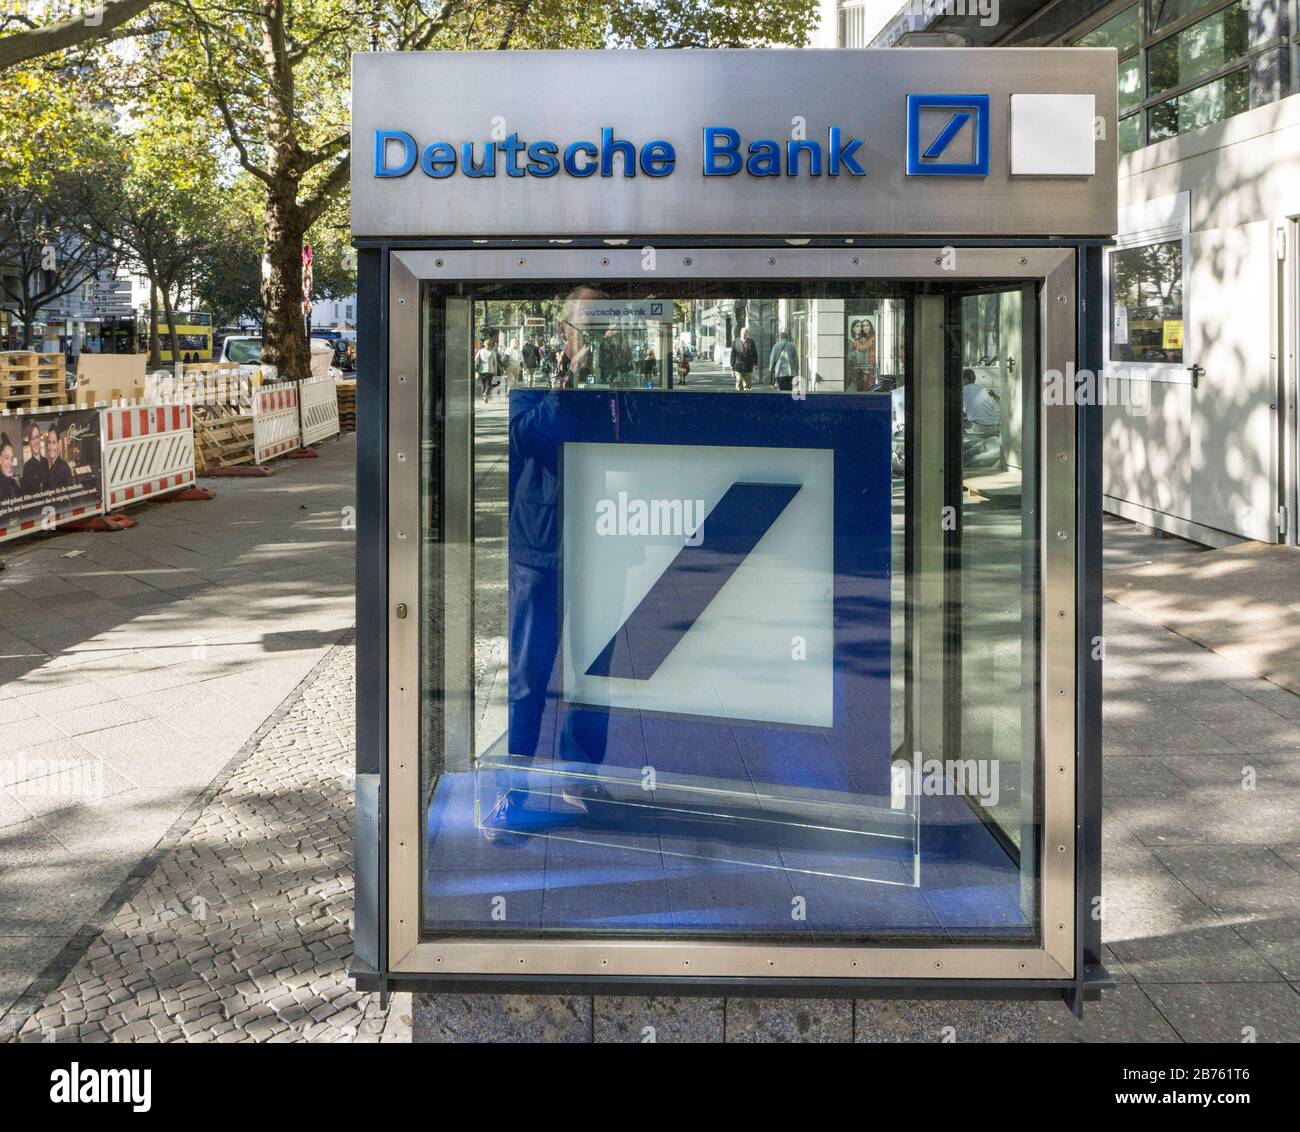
x,y
1053,135
739,660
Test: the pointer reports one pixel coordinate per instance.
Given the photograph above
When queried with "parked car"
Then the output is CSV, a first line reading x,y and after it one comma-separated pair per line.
x,y
245,351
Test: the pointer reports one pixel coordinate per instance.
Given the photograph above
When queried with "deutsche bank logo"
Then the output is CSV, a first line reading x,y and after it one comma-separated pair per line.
x,y
731,618
947,135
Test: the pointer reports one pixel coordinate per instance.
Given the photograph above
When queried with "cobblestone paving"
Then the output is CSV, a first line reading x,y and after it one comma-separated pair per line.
x,y
242,932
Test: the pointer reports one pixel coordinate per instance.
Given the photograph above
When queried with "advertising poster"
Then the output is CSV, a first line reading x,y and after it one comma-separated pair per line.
x,y
860,368
50,466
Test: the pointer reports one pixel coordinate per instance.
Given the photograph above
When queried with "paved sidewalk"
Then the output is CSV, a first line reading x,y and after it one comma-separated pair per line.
x,y
242,930
237,927
1242,602
133,672
1201,841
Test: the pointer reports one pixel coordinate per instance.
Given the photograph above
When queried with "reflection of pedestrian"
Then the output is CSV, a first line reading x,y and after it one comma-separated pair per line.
x,y
536,594
10,488
649,367
744,359
784,362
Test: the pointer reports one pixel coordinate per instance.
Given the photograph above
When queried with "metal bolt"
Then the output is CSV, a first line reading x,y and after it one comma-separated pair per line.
x,y
401,611
1024,259
1062,535
437,263
771,261
688,261
604,261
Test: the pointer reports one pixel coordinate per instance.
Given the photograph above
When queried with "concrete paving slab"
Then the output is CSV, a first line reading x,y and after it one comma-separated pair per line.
x,y
1219,1012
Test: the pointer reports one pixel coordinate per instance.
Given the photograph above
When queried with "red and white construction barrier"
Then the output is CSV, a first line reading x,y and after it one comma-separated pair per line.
x,y
148,450
275,421
66,486
319,407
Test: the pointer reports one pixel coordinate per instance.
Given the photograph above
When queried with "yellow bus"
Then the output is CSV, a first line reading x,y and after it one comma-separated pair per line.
x,y
193,328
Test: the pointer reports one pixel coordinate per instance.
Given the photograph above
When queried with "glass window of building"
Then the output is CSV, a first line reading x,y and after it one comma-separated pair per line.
x,y
1146,304
1124,32
1202,106
1167,47
1198,50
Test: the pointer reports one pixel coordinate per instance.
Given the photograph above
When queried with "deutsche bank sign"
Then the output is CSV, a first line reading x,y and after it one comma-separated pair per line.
x,y
726,153
635,144
711,569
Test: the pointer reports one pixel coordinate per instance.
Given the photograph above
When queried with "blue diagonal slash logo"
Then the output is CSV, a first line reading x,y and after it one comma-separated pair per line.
x,y
693,579
950,131
956,112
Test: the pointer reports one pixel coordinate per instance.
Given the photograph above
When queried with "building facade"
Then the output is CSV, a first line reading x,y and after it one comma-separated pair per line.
x,y
1201,286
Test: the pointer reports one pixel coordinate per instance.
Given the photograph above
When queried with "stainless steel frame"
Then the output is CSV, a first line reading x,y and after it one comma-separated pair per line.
x,y
1055,268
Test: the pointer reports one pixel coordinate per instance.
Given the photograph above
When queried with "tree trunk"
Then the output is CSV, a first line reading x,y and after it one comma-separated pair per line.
x,y
155,349
284,334
172,336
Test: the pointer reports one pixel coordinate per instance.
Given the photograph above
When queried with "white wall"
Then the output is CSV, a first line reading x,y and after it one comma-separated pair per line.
x,y
1204,462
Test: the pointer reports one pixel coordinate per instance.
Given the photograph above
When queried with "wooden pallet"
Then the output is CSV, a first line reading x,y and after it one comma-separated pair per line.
x,y
29,380
222,439
347,391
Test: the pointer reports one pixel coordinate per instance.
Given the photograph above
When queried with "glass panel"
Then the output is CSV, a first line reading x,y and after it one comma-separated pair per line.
x,y
1200,107
1204,47
693,611
998,533
1123,31
1130,133
1130,83
1146,304
1166,13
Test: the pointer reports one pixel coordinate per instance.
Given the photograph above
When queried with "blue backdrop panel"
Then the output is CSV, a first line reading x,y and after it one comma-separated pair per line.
x,y
854,753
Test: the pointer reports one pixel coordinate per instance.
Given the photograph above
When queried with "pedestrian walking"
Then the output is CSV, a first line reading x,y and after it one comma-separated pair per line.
x,y
744,360
532,358
783,363
487,365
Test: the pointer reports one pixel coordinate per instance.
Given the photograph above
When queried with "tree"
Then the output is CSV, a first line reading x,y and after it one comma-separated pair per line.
x,y
46,135
85,24
276,74
154,199
40,241
228,279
